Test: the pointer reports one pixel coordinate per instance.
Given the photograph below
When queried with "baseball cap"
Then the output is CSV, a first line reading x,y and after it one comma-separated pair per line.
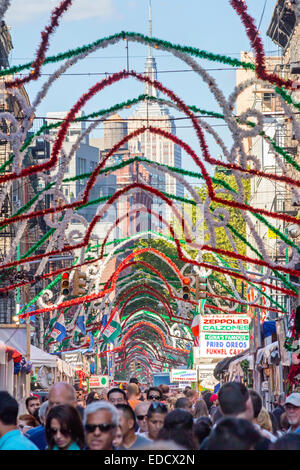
x,y
294,399
213,397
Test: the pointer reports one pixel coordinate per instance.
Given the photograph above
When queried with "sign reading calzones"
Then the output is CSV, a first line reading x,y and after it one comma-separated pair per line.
x,y
223,335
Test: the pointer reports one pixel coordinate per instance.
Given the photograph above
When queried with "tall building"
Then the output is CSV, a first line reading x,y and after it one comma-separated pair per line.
x,y
85,160
115,129
153,146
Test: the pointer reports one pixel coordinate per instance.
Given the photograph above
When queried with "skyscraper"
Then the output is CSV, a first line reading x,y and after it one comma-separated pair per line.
x,y
156,147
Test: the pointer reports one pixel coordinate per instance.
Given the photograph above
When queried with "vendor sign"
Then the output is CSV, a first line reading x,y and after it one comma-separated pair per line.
x,y
183,375
224,335
98,381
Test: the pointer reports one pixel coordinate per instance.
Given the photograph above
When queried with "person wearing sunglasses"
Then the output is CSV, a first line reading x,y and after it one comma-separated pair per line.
x,y
100,422
26,422
141,417
64,430
156,415
127,421
154,393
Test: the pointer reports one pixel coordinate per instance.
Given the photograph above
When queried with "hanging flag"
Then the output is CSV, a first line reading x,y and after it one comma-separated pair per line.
x,y
59,331
48,335
80,323
113,330
104,319
195,326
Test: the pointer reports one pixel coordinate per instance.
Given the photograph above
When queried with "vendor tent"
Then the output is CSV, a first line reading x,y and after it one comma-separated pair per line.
x,y
41,358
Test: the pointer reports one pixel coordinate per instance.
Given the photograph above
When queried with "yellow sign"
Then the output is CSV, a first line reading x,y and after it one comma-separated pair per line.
x,y
271,234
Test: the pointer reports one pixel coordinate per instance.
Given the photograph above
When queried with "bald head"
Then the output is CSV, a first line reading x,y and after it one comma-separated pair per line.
x,y
62,393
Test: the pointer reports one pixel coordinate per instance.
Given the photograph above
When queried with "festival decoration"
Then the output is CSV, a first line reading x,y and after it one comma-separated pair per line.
x,y
125,326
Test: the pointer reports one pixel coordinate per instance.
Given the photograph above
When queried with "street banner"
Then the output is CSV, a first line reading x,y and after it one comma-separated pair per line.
x,y
224,335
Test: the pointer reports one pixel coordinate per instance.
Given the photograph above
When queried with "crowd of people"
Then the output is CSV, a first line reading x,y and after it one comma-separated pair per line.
x,y
155,418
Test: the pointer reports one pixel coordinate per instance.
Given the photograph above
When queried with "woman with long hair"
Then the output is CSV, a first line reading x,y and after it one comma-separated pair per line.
x,y
92,396
200,409
64,429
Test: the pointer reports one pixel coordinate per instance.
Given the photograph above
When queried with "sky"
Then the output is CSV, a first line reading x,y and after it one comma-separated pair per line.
x,y
208,25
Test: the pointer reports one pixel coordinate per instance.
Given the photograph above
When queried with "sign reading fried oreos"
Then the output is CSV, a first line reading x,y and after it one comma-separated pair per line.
x,y
223,335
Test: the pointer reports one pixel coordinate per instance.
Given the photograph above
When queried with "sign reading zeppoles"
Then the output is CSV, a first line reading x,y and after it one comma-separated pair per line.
x,y
223,335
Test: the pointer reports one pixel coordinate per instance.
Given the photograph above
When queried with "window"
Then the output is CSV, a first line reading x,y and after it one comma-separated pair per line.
x,y
81,166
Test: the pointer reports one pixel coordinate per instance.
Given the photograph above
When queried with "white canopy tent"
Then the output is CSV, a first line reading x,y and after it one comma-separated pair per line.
x,y
41,358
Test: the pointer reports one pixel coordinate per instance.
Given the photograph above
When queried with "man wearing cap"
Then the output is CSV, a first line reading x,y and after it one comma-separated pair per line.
x,y
292,410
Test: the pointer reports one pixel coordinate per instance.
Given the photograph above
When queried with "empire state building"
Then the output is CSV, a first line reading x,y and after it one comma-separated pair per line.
x,y
156,147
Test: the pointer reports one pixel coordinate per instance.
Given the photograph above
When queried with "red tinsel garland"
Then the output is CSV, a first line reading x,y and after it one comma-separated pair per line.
x,y
154,327
241,8
82,101
149,309
41,54
106,290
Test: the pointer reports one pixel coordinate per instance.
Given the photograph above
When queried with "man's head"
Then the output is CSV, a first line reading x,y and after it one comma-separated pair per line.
x,y
183,403
134,380
8,412
32,404
132,391
80,394
281,399
155,419
62,393
232,433
165,390
256,402
192,396
43,412
235,400
140,411
154,394
127,420
100,421
292,410
117,396
214,400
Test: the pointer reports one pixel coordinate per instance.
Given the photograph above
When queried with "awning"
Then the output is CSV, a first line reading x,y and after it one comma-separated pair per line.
x,y
40,358
247,357
224,364
15,338
235,366
264,354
